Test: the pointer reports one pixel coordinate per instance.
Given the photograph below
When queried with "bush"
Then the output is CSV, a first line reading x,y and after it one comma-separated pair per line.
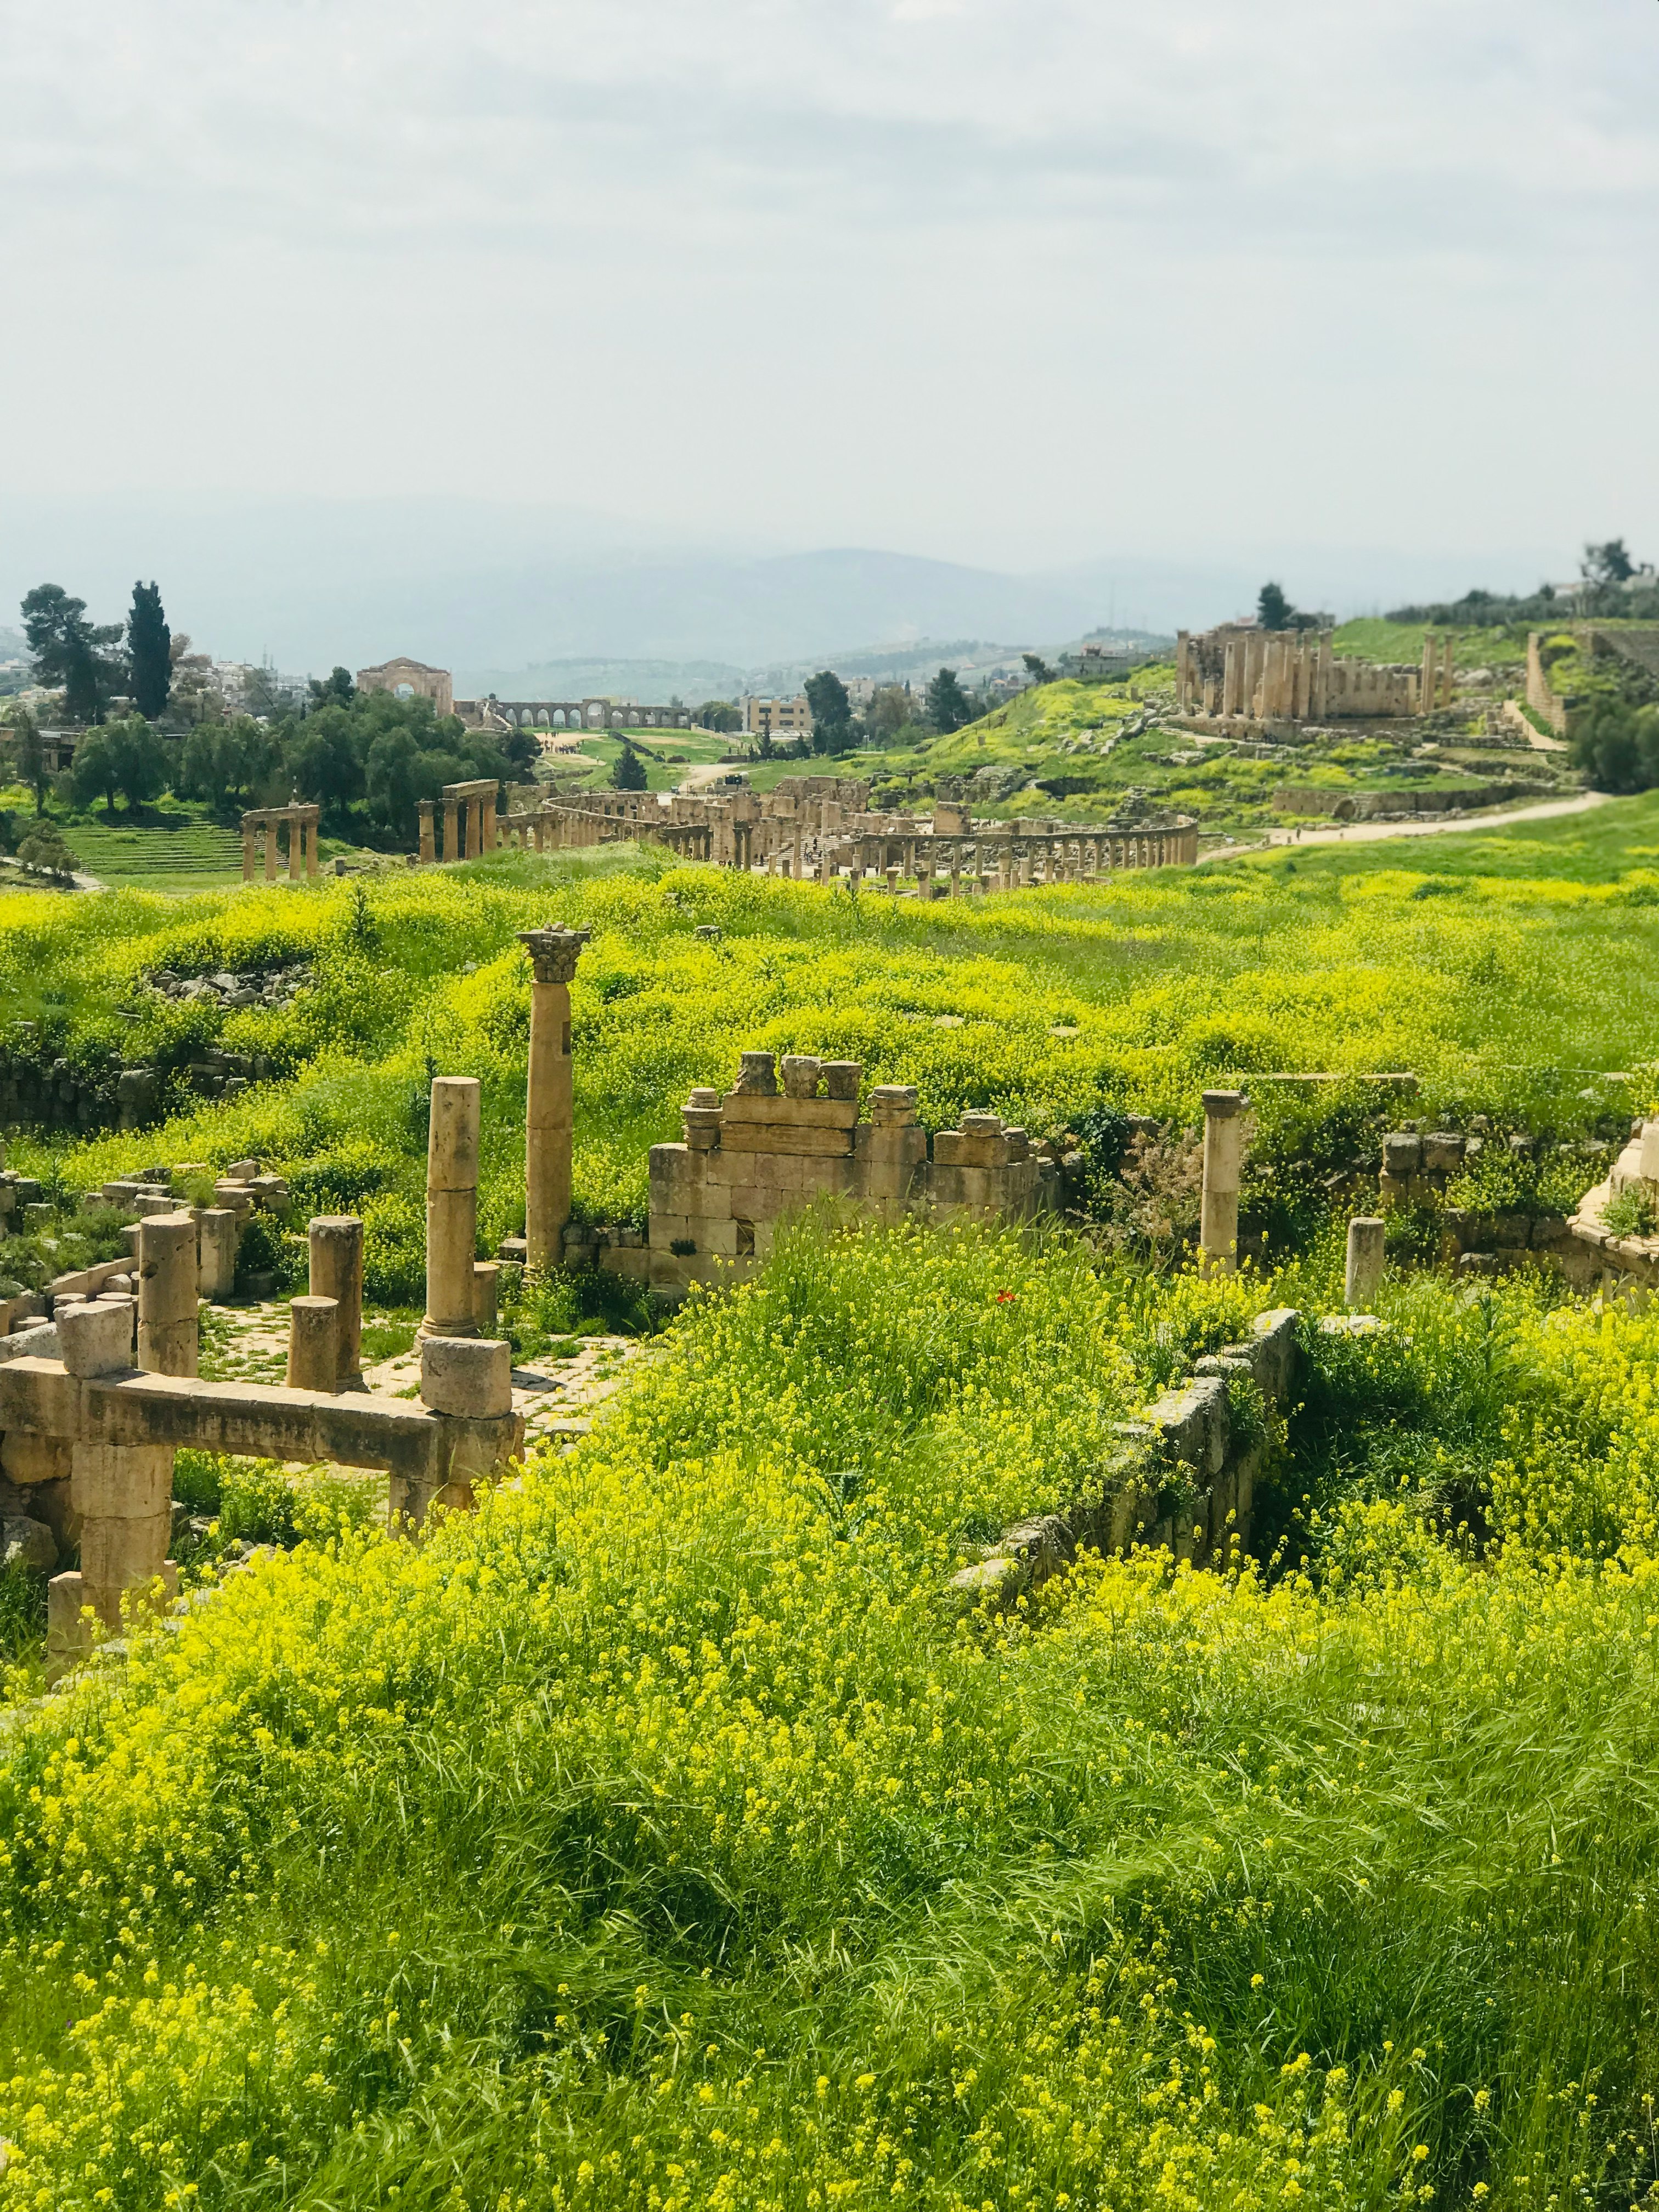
x,y
1630,1214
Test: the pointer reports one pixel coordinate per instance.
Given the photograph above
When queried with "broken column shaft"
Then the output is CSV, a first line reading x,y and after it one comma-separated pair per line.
x,y
549,1108
168,1294
452,1206
336,1243
1363,1274
313,1344
1223,1148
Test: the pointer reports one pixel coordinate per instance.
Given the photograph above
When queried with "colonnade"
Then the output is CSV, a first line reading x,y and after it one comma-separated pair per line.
x,y
469,822
302,824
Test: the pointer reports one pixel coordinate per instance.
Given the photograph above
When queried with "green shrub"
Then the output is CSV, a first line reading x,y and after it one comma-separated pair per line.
x,y
1630,1214
256,1503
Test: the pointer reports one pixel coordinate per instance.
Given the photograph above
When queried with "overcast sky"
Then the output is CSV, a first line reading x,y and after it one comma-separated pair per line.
x,y
1014,281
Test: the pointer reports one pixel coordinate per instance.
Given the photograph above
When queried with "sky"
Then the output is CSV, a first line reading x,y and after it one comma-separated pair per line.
x,y
1008,282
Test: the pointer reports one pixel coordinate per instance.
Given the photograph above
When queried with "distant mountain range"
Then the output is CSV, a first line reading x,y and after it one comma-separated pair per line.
x,y
500,594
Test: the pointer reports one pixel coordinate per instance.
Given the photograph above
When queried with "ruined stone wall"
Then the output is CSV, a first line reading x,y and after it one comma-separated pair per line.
x,y
758,1153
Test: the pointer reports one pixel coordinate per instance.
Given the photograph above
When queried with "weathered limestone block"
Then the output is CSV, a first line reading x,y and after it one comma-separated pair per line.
x,y
115,1482
1443,1152
841,1078
893,1105
168,1297
336,1256
27,1460
742,1111
780,1137
1192,1424
702,1125
216,1227
959,1148
96,1338
466,1374
758,1074
1402,1154
313,1344
1364,1276
801,1073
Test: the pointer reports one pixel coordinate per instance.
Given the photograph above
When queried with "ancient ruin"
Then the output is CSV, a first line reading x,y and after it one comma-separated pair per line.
x,y
301,824
822,830
1240,674
569,715
468,821
94,1401
758,1153
410,679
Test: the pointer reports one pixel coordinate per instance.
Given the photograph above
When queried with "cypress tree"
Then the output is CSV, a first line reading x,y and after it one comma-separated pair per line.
x,y
149,648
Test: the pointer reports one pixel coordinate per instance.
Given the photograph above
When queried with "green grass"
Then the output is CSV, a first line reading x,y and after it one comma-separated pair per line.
x,y
661,1835
1503,649
171,846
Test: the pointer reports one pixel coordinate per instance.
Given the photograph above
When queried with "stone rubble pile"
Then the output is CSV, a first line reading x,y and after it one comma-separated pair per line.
x,y
255,986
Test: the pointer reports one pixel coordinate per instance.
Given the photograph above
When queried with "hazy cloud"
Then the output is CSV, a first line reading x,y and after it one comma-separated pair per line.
x,y
989,277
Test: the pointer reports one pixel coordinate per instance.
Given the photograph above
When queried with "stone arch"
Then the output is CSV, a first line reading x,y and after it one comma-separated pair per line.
x,y
543,721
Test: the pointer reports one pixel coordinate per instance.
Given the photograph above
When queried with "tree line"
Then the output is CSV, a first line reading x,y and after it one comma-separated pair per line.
x,y
365,758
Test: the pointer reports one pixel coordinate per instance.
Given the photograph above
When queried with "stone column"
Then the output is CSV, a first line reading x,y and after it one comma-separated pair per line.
x,y
123,1495
474,826
215,1228
452,1206
1365,1270
269,828
549,1113
336,1243
1183,671
488,807
423,808
168,1269
1223,1146
1321,692
1255,651
1232,677
452,829
295,838
248,850
313,1344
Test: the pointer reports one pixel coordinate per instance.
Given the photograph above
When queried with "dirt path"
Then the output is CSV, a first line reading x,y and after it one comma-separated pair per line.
x,y
1365,833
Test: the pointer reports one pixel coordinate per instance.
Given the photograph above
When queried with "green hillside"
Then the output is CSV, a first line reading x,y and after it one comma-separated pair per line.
x,y
668,1834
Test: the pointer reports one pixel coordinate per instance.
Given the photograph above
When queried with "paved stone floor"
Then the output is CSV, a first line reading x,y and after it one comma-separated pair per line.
x,y
558,1391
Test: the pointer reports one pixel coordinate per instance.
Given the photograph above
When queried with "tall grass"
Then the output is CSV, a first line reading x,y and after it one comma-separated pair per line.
x,y
659,1836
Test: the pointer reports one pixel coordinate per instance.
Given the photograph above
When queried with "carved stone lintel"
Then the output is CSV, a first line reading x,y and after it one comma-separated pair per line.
x,y
554,951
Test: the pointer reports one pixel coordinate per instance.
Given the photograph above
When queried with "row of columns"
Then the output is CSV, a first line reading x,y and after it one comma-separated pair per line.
x,y
469,823
302,824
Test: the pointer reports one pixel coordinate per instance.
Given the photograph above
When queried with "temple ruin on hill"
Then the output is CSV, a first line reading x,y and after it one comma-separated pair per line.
x,y
1242,674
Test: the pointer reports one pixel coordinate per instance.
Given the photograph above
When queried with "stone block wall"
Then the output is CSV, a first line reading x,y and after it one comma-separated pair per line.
x,y
762,1151
1609,1256
1181,1477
